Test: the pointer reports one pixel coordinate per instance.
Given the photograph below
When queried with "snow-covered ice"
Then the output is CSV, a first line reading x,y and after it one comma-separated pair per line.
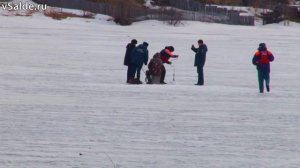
x,y
64,102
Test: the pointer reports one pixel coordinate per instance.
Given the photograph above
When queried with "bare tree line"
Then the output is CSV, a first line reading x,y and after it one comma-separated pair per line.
x,y
125,13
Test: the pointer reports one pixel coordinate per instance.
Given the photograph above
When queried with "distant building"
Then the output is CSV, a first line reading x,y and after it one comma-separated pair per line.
x,y
294,11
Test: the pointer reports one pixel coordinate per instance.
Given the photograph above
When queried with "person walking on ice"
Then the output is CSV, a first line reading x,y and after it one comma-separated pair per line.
x,y
262,59
200,59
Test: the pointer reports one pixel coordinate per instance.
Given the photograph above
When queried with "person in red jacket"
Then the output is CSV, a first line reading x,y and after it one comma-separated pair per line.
x,y
165,55
262,59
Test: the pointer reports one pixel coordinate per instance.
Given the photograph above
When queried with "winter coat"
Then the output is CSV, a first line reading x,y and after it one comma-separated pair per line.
x,y
139,55
200,56
165,55
155,65
262,59
129,49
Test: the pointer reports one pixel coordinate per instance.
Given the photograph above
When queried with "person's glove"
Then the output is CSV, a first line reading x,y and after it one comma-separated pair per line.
x,y
175,56
170,63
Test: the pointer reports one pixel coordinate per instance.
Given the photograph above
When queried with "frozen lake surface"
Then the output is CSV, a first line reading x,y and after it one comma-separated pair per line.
x,y
64,102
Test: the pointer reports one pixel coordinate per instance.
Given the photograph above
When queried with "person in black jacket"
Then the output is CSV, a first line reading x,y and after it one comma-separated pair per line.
x,y
200,59
127,61
138,58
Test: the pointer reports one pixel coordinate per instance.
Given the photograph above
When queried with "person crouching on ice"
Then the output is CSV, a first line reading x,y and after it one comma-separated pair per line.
x,y
262,59
165,55
155,67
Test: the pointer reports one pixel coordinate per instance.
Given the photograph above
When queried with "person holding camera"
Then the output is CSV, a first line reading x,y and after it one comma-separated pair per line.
x,y
200,58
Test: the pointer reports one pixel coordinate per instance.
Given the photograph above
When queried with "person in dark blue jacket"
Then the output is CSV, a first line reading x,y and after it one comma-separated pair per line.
x,y
138,58
200,59
127,61
262,59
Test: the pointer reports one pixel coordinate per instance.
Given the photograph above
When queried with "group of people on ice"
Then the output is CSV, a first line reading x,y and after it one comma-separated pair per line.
x,y
137,56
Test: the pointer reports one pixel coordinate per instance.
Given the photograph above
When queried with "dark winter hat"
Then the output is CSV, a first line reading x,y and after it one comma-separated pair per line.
x,y
145,44
171,48
262,44
200,41
133,41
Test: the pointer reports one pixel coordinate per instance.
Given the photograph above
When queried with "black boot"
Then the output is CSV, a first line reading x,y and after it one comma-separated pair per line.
x,y
138,81
131,81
